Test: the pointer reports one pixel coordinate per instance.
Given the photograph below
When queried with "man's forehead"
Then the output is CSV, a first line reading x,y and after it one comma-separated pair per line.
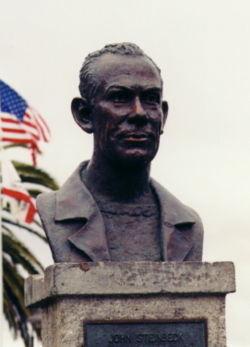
x,y
111,67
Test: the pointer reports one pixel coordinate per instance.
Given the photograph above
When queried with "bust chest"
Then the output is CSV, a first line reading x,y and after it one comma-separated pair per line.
x,y
132,230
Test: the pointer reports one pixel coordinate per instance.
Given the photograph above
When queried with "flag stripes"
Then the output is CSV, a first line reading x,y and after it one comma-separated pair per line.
x,y
22,196
15,194
20,123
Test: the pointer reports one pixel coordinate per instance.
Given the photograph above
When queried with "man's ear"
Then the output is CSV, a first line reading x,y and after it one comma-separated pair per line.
x,y
82,115
164,106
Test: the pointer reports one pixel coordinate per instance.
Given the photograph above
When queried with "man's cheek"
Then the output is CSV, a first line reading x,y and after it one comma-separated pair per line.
x,y
105,136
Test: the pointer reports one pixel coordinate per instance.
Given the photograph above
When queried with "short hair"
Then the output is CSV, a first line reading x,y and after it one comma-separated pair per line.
x,y
88,79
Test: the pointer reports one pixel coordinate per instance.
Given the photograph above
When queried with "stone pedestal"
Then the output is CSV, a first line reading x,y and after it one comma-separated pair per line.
x,y
139,304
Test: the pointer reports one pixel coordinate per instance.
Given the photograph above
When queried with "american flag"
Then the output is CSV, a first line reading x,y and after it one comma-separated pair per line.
x,y
14,194
20,123
29,209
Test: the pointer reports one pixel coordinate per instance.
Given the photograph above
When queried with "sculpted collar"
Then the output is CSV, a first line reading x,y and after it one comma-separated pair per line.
x,y
74,201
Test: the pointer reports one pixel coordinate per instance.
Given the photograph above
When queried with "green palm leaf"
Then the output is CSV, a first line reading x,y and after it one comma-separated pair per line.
x,y
31,174
18,260
14,308
23,226
19,254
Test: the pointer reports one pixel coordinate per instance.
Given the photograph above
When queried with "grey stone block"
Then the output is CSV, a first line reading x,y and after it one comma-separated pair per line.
x,y
72,294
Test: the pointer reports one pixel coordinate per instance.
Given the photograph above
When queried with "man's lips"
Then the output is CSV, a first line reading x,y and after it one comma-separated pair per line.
x,y
136,136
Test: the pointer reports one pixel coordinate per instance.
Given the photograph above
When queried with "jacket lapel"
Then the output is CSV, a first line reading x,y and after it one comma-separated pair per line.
x,y
91,239
176,225
74,202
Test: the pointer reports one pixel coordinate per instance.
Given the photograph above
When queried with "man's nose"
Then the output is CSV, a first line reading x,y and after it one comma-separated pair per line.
x,y
138,107
138,112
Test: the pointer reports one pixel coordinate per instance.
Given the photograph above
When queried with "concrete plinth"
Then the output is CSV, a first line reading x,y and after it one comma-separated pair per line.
x,y
72,295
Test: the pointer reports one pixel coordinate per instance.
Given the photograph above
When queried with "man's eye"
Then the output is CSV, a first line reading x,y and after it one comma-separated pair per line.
x,y
119,97
151,98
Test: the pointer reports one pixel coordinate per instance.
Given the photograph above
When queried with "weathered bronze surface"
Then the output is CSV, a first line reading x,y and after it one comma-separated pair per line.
x,y
110,208
161,334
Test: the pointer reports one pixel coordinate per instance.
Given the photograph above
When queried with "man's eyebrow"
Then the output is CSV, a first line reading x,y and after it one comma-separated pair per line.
x,y
152,90
117,87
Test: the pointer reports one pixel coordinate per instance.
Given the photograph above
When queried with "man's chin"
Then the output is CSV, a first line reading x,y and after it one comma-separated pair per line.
x,y
133,158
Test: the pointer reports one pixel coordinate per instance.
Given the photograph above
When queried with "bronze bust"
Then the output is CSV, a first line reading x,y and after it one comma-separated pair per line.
x,y
110,208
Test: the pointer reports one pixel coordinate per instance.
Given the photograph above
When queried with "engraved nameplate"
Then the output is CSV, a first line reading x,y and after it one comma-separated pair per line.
x,y
157,334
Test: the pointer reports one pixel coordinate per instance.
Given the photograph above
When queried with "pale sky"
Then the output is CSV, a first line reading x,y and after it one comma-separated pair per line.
x,y
203,49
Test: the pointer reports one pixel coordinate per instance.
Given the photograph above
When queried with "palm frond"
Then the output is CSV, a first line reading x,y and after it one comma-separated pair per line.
x,y
24,227
18,260
14,309
16,254
14,145
29,173
19,254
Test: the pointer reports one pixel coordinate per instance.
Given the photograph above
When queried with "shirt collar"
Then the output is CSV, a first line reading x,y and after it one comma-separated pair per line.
x,y
74,200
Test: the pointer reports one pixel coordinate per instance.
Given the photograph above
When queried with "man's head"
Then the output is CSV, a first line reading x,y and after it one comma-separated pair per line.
x,y
121,104
89,81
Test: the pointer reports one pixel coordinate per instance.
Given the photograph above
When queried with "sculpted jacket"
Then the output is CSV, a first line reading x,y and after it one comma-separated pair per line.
x,y
76,232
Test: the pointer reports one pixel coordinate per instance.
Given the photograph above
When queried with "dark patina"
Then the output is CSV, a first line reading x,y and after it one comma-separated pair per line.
x,y
110,209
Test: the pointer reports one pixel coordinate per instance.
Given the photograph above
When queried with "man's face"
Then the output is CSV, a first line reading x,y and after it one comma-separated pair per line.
x,y
127,112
